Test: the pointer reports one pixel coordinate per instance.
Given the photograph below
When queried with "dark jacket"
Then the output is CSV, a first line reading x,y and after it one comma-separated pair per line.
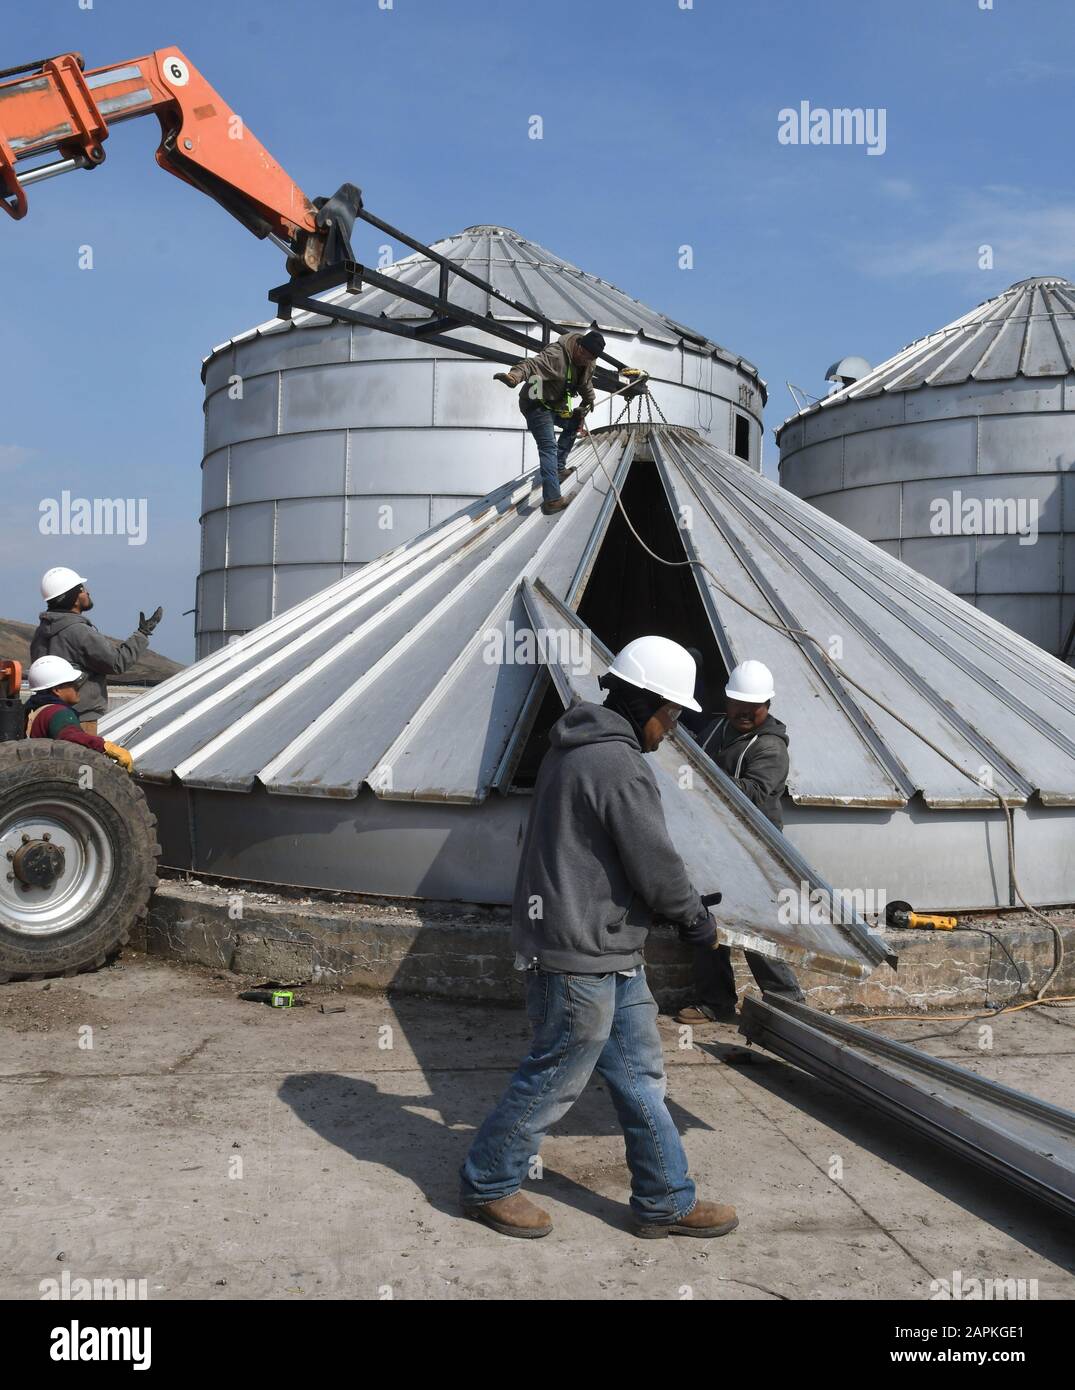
x,y
551,366
757,762
73,636
597,865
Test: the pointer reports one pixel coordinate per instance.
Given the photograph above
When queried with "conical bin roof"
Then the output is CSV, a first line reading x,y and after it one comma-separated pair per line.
x,y
394,679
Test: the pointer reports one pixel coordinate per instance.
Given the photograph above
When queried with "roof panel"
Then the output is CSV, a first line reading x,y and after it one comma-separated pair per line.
x,y
428,760
978,698
878,651
526,272
379,665
861,775
1028,331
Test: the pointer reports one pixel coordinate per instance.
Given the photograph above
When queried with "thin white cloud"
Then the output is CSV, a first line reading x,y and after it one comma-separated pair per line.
x,y
1027,238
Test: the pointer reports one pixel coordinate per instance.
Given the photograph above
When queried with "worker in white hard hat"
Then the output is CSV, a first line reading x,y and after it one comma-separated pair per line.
x,y
63,630
751,745
596,868
54,689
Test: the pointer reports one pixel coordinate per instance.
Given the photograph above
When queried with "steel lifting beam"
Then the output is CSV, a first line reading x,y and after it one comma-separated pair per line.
x,y
1014,1136
299,294
449,267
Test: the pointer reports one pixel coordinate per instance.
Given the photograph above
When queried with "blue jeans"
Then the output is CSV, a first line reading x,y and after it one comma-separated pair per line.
x,y
583,1022
551,455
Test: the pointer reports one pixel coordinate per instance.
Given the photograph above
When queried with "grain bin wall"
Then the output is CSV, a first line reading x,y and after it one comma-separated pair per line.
x,y
971,426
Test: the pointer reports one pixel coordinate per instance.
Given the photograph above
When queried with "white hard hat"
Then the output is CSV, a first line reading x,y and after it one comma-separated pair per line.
x,y
48,672
660,665
751,682
58,580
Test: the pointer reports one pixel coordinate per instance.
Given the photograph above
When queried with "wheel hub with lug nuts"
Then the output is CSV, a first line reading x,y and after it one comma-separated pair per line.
x,y
38,863
56,860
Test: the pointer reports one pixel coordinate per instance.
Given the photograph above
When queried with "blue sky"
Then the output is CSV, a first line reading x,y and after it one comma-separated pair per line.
x,y
660,128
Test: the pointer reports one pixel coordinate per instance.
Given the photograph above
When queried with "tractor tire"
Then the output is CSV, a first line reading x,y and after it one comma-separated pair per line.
x,y
78,858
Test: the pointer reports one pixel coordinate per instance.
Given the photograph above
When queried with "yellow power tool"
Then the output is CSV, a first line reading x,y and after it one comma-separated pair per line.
x,y
901,914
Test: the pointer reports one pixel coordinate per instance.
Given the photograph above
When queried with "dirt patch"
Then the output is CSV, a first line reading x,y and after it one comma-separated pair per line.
x,y
31,1006
100,998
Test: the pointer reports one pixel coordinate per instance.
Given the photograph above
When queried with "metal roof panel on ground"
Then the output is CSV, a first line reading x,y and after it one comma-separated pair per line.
x,y
524,271
1027,331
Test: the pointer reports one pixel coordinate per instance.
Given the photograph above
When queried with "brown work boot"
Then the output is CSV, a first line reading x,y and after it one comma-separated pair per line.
x,y
564,473
702,1013
708,1219
557,505
513,1216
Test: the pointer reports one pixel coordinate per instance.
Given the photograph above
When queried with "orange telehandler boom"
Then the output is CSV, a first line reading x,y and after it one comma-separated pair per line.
x,y
55,107
57,113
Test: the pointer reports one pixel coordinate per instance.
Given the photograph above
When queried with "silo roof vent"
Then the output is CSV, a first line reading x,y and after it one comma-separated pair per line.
x,y
848,370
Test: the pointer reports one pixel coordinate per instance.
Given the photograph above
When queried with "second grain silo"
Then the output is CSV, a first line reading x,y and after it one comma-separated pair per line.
x,y
957,455
327,443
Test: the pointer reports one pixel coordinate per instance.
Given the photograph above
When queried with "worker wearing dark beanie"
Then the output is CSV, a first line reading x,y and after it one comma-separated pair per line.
x,y
551,381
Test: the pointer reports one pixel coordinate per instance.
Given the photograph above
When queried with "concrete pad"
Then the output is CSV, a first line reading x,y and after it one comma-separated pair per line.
x,y
220,1149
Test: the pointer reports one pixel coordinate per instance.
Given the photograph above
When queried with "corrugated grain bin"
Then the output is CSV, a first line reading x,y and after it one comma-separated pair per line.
x,y
327,443
958,456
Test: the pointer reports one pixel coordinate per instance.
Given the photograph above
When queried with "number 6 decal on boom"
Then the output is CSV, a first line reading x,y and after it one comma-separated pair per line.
x,y
175,71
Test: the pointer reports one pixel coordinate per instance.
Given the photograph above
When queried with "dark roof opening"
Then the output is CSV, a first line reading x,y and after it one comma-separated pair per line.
x,y
630,594
742,438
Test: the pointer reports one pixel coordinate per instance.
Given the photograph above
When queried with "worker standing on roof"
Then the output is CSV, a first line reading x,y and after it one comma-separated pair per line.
x,y
552,380
54,686
597,866
63,631
751,746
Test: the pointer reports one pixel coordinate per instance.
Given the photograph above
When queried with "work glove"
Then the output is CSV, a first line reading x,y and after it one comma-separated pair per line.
x,y
120,755
701,926
503,376
146,625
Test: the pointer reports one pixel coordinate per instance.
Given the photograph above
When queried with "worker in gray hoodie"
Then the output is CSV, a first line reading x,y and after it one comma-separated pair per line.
x,y
751,746
597,868
62,630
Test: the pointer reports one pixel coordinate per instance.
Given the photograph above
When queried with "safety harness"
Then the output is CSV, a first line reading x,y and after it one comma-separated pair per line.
x,y
537,393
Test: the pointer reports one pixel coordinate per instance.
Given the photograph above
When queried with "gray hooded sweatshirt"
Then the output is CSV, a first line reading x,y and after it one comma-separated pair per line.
x,y
597,864
756,761
74,637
